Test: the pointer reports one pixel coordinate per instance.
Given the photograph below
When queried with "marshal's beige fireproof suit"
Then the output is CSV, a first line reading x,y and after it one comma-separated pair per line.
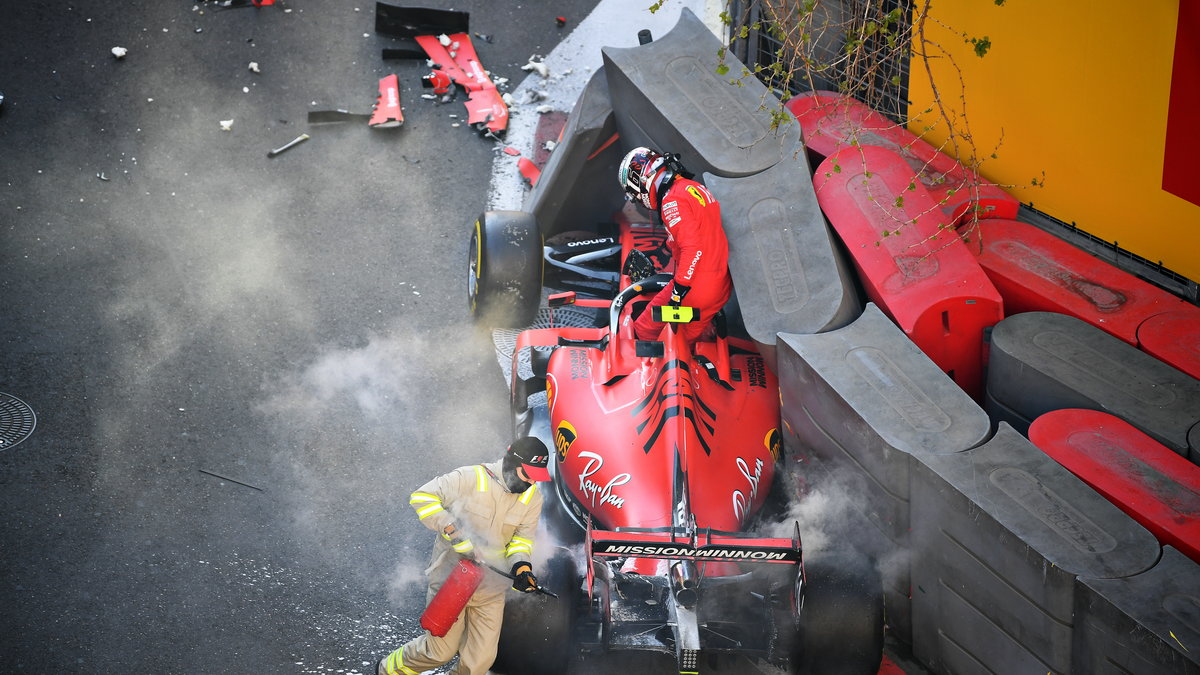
x,y
501,526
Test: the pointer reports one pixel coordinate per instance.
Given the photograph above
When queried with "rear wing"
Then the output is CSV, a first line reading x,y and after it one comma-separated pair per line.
x,y
703,546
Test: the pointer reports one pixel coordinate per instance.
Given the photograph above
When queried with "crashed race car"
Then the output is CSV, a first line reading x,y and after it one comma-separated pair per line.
x,y
666,501
665,454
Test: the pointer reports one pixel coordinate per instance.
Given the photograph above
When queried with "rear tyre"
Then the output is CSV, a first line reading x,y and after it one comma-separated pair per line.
x,y
536,636
841,618
504,269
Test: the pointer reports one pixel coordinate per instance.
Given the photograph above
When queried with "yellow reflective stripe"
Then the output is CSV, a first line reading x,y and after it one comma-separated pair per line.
x,y
528,494
428,510
422,497
463,546
394,665
480,479
519,545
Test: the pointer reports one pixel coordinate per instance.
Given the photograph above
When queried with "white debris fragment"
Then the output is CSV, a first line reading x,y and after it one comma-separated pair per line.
x,y
543,109
245,90
429,97
119,52
541,68
444,39
498,81
456,125
254,67
226,125
550,145
508,99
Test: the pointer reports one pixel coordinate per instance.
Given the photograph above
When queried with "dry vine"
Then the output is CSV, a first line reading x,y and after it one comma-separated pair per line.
x,y
854,47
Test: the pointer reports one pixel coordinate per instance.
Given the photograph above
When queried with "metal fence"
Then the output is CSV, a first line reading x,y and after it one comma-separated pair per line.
x,y
885,86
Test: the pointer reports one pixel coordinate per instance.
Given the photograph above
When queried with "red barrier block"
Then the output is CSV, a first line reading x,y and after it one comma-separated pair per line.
x,y
1147,480
1173,338
912,264
1036,271
831,122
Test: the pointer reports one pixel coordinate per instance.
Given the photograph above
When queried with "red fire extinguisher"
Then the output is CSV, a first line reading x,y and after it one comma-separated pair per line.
x,y
450,599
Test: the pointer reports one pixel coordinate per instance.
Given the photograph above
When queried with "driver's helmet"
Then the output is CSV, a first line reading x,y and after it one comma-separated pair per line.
x,y
637,175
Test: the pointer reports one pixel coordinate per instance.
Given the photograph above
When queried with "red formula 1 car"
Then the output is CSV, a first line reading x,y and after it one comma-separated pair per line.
x,y
666,457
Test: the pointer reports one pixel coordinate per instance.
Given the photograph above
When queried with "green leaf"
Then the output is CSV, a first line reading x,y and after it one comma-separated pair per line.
x,y
982,45
722,69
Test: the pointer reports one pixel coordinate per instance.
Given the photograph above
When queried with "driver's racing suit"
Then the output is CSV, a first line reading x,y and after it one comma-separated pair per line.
x,y
701,254
501,525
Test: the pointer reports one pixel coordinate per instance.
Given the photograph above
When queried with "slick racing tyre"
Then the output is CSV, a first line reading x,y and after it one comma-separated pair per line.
x,y
841,617
536,636
504,269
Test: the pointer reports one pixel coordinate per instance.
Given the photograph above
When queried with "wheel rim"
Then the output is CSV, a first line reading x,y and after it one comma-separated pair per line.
x,y
474,267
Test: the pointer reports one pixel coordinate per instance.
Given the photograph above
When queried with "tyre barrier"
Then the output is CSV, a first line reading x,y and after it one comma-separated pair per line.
x,y
831,122
673,100
565,195
1174,338
917,271
1145,479
1036,271
1000,535
785,264
1145,624
1043,361
864,401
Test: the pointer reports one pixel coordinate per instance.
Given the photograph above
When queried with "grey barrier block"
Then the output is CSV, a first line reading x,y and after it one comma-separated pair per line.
x,y
864,401
1000,533
1194,443
572,173
1146,624
1043,361
672,99
788,272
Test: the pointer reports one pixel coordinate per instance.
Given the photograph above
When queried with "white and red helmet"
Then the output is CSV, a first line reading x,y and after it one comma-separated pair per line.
x,y
640,176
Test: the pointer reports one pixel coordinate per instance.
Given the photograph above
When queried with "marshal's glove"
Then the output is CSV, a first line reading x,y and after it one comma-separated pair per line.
x,y
678,291
524,580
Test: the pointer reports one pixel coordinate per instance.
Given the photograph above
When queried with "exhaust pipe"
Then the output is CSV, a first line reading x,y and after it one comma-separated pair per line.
x,y
684,581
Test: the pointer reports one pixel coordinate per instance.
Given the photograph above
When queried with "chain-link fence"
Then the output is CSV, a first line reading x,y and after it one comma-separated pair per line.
x,y
805,45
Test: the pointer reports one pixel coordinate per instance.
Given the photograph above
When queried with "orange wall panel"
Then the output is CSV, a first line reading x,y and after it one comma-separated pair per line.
x,y
1078,92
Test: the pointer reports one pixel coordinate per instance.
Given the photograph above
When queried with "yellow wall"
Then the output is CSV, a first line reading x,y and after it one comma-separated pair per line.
x,y
1080,90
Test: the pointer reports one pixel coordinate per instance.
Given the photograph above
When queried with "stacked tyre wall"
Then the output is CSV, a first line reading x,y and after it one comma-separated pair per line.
x,y
1004,557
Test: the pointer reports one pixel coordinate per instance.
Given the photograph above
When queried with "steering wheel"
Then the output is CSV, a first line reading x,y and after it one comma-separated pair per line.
x,y
651,284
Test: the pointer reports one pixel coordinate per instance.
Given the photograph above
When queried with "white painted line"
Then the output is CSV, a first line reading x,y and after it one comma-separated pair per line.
x,y
571,65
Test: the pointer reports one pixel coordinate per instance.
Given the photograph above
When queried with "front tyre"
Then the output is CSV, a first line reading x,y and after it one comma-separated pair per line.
x,y
504,269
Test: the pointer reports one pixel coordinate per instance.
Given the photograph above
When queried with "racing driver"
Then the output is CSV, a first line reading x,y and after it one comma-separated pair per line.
x,y
695,237
487,512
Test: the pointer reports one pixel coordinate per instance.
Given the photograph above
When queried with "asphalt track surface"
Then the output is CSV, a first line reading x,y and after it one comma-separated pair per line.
x,y
240,365
176,303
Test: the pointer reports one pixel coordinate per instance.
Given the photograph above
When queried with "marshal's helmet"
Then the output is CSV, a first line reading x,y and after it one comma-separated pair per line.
x,y
639,175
